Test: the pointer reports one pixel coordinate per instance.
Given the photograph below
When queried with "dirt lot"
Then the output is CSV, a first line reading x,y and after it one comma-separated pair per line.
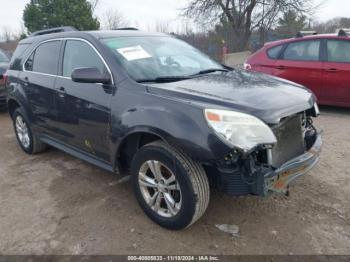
x,y
55,204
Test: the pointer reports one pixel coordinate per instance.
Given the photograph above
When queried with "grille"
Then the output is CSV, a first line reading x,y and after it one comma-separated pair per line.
x,y
290,141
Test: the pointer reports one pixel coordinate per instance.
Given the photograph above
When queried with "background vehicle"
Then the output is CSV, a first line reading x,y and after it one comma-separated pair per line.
x,y
4,61
319,62
150,104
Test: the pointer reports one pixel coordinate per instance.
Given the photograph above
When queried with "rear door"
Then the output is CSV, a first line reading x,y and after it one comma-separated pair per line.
x,y
337,73
38,80
84,108
300,62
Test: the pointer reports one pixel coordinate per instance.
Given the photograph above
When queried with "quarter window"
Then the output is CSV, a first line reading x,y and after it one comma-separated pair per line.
x,y
29,63
45,58
303,51
79,54
274,52
338,51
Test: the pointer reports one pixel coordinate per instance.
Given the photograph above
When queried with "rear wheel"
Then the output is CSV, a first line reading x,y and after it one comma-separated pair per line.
x,y
25,137
171,188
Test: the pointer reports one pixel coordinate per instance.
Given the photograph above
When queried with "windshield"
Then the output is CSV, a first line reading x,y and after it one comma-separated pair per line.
x,y
152,57
3,57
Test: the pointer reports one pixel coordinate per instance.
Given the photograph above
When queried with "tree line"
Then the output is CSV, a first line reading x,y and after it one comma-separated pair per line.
x,y
237,24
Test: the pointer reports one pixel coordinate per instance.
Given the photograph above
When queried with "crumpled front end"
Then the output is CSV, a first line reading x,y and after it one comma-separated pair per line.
x,y
270,169
278,180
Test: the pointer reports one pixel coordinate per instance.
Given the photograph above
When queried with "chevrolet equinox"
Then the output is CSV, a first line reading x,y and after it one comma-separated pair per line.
x,y
154,107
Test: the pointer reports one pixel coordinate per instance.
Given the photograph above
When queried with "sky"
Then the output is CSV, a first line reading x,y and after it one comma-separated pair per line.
x,y
146,13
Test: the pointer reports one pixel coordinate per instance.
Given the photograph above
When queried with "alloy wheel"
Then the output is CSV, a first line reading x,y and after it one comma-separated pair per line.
x,y
160,188
22,132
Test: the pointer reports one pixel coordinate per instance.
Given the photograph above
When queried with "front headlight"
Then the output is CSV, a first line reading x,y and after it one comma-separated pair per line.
x,y
240,130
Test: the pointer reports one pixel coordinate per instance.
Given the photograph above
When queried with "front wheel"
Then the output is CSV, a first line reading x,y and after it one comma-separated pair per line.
x,y
171,188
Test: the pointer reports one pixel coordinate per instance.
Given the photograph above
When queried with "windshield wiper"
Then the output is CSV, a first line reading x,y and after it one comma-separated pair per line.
x,y
211,70
163,79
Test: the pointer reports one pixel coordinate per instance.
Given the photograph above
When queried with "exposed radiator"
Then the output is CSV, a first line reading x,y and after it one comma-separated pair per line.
x,y
290,140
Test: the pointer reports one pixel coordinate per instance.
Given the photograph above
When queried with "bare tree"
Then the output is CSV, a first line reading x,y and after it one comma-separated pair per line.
x,y
6,34
162,26
114,19
332,25
244,16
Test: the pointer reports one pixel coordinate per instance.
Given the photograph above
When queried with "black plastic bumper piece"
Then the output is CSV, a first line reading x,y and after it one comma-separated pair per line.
x,y
237,181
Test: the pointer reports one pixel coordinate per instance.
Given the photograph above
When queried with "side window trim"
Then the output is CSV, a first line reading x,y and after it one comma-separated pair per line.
x,y
33,52
281,54
301,41
63,43
93,48
323,51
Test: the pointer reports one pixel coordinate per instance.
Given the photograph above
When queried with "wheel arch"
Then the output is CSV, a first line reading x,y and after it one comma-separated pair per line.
x,y
134,140
12,105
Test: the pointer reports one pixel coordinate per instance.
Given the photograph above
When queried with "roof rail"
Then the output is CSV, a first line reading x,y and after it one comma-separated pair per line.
x,y
343,32
305,33
127,28
53,30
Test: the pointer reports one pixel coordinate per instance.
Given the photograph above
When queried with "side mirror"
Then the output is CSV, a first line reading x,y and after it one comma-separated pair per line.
x,y
90,75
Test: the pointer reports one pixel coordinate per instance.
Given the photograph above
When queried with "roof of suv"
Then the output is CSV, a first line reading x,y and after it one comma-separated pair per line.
x,y
97,34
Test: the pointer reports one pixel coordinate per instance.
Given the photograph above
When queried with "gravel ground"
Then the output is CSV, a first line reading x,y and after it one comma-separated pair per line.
x,y
52,203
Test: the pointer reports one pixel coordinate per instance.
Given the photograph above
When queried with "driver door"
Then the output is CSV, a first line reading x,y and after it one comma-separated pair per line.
x,y
84,108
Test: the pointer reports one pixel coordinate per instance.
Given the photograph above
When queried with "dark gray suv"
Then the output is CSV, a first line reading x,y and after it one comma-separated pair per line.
x,y
154,107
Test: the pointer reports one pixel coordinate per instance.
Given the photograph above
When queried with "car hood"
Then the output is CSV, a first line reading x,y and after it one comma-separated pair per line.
x,y
268,98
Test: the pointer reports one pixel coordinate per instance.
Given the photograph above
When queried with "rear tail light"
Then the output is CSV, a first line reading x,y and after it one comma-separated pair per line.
x,y
247,66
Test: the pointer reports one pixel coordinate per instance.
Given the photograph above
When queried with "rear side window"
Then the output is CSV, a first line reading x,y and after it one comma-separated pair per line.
x,y
338,51
274,52
45,58
303,51
79,54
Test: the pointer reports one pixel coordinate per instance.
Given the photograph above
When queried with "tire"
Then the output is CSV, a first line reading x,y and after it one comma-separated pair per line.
x,y
189,189
32,144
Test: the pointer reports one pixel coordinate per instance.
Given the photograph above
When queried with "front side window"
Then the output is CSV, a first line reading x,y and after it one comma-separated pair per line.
x,y
303,51
152,57
338,51
45,58
79,54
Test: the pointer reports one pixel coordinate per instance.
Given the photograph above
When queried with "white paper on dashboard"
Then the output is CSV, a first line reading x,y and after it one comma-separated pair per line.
x,y
134,53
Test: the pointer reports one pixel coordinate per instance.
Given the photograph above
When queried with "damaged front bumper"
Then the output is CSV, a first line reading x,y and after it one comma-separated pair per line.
x,y
247,177
279,180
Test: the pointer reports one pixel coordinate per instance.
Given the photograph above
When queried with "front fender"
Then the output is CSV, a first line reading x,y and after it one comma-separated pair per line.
x,y
180,124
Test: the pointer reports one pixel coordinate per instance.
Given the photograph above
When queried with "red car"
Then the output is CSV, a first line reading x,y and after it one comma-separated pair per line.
x,y
319,62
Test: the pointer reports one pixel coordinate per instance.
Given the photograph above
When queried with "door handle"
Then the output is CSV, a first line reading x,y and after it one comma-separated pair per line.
x,y
61,89
281,67
332,70
26,81
61,92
